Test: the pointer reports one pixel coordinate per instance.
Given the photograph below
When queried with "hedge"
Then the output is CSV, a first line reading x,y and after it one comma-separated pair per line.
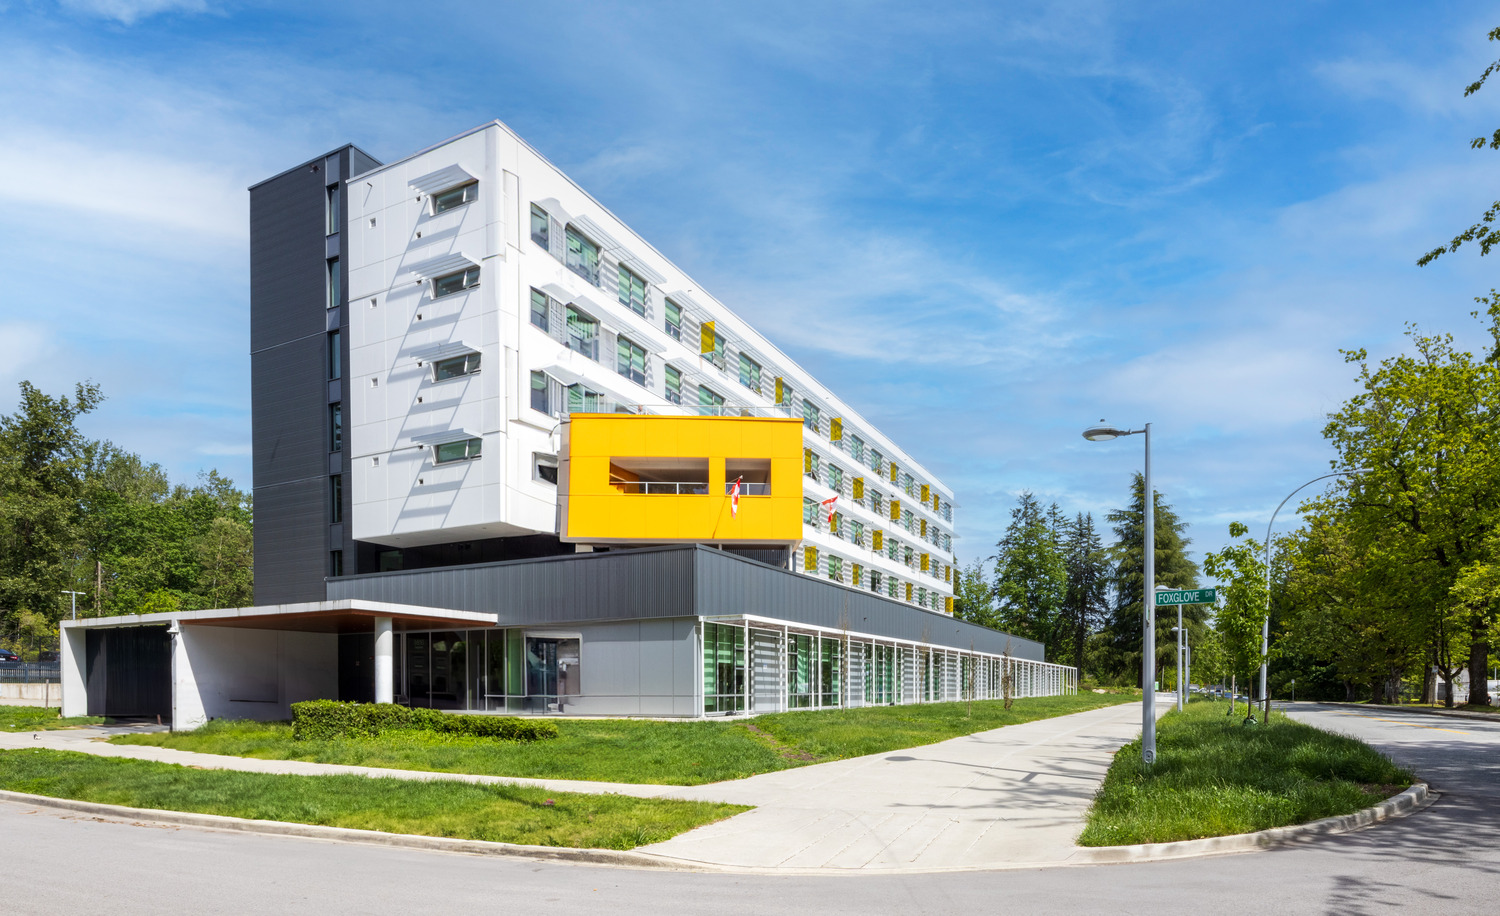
x,y
325,719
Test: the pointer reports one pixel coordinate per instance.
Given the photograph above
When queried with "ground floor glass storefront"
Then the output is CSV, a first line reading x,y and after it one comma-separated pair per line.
x,y
493,670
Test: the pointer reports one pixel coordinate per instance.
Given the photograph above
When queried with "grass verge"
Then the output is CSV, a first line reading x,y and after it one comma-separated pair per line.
x,y
39,718
1216,777
636,751
499,813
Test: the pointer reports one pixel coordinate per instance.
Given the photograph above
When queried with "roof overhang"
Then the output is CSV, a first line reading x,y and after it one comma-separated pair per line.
x,y
342,616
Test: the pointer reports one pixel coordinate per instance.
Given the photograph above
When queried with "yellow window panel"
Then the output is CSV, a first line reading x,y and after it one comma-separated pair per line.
x,y
706,337
937,505
895,510
879,540
807,458
810,558
859,488
924,562
857,571
908,591
835,429
948,605
924,527
947,574
894,471
779,388
926,494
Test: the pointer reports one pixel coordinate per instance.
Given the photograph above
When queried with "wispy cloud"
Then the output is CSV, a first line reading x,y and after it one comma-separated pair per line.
x,y
129,12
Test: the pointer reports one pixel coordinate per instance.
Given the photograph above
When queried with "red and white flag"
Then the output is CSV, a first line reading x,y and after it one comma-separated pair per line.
x,y
734,498
828,504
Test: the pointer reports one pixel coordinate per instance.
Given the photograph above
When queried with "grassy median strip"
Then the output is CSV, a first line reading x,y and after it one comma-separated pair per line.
x,y
636,751
39,718
1216,777
446,808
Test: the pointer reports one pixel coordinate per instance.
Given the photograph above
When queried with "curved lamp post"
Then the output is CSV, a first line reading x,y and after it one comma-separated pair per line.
x,y
1103,433
1265,625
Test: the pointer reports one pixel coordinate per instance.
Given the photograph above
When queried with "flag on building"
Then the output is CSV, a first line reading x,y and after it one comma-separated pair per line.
x,y
829,504
734,498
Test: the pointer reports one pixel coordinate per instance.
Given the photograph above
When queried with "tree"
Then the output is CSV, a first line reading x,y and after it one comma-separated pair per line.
x,y
1174,569
1085,602
1031,576
1242,608
1482,233
973,598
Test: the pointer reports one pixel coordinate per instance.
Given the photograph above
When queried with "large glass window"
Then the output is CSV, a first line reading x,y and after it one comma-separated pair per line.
x,y
455,197
674,320
835,478
857,448
541,227
632,291
458,366
799,663
582,256
630,360
584,400
553,672
710,402
539,399
541,310
583,333
456,282
462,450
810,417
723,668
673,384
749,373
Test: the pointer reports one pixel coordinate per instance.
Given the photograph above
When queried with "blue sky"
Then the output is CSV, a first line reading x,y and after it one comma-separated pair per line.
x,y
985,225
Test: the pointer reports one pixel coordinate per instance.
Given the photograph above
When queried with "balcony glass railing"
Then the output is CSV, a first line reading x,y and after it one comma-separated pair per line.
x,y
658,488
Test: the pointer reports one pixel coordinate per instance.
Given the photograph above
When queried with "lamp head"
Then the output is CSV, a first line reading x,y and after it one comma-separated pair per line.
x,y
1103,432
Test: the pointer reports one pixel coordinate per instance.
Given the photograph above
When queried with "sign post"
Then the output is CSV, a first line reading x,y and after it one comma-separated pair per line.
x,y
1179,597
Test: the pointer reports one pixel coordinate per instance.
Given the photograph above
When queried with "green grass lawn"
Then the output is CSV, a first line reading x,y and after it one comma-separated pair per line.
x,y
636,751
1216,777
505,814
38,718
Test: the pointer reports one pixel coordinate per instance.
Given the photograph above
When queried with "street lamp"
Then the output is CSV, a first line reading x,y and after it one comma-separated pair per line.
x,y
1104,433
75,601
1265,625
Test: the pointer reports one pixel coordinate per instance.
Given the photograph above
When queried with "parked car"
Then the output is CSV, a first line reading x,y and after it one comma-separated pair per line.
x,y
8,656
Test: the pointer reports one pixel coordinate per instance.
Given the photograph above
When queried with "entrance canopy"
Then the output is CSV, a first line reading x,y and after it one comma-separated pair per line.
x,y
346,615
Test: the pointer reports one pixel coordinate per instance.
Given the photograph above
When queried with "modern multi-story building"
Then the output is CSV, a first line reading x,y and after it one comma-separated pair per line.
x,y
477,392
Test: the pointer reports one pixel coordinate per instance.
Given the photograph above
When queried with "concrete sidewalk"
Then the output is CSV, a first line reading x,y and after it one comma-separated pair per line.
x,y
1014,795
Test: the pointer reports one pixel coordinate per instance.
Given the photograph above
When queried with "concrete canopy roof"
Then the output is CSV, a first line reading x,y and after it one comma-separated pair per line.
x,y
342,616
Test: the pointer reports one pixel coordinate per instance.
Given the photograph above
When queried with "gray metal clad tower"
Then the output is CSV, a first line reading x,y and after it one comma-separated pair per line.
x,y
298,351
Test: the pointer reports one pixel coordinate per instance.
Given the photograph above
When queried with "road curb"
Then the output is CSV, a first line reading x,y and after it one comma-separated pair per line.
x,y
1413,799
608,857
1420,710
1407,802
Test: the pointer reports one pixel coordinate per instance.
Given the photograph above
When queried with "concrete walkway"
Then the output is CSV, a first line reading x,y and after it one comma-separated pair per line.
x,y
1011,796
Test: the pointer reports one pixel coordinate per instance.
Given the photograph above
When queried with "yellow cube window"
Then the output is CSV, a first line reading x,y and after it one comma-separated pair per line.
x,y
810,558
894,472
835,429
859,488
895,510
879,541
926,492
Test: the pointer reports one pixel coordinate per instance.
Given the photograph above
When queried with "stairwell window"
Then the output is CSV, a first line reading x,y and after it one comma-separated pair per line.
x,y
583,333
455,197
582,256
456,282
674,320
335,284
335,355
749,373
335,427
457,367
673,384
334,219
463,450
541,311
632,291
630,360
336,499
541,227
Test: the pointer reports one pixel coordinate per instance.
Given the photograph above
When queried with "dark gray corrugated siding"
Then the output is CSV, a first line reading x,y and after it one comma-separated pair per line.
x,y
666,582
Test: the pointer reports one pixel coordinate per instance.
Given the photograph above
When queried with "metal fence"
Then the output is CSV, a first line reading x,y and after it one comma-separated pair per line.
x,y
30,672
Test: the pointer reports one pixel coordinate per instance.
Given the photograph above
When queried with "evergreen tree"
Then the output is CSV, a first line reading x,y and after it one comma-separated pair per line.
x,y
974,598
1086,601
1031,576
1174,569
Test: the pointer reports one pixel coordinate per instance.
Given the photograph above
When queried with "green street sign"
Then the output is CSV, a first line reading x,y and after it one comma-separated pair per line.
x,y
1186,596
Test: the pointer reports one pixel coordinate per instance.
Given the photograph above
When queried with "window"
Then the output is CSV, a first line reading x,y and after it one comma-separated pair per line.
x,y
714,351
541,227
456,282
541,311
462,450
458,366
890,588
584,400
455,197
583,333
749,373
875,460
835,478
582,256
875,501
333,211
810,463
836,569
630,360
674,384
809,511
336,563
335,356
784,393
674,320
875,581
546,468
710,403
335,284
857,533
675,476
809,415
632,291
335,427
753,474
539,399
336,498
857,448
907,481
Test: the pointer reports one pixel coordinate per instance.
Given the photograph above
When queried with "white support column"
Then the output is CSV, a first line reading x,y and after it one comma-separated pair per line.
x,y
748,669
385,661
187,698
74,655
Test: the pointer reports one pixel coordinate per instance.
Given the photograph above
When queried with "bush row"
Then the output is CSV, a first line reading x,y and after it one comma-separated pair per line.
x,y
324,719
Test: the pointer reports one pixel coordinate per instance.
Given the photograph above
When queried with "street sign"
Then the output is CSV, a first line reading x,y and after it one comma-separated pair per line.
x,y
1185,596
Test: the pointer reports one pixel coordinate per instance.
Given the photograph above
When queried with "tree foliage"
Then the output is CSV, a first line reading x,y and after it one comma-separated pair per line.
x,y
1483,233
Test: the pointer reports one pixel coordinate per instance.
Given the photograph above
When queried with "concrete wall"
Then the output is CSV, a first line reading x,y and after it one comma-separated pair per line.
x,y
238,673
44,694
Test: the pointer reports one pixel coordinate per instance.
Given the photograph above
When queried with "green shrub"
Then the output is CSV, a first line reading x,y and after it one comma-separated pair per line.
x,y
321,720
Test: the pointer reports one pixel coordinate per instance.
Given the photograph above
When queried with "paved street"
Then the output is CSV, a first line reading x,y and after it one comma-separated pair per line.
x,y
1445,859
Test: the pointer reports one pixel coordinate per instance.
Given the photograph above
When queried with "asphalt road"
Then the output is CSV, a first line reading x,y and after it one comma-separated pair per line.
x,y
1445,859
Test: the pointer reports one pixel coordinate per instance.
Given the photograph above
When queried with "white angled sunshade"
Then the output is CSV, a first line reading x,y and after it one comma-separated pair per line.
x,y
441,180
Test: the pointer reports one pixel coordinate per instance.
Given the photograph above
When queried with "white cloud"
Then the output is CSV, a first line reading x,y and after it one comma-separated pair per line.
x,y
129,12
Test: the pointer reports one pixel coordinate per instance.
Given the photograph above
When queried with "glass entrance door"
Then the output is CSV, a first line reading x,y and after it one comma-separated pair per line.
x,y
552,672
